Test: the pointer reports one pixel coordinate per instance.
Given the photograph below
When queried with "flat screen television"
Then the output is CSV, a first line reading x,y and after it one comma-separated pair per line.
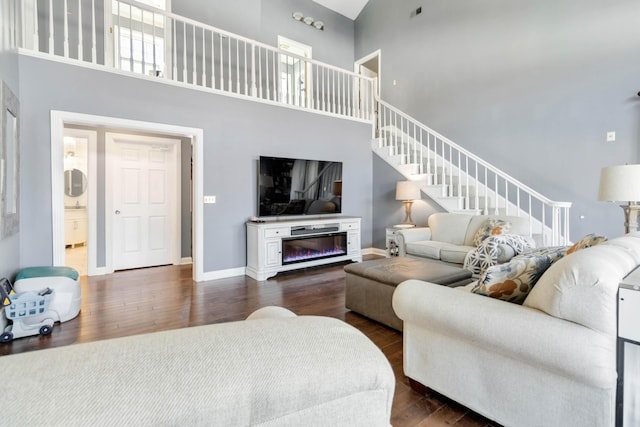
x,y
298,187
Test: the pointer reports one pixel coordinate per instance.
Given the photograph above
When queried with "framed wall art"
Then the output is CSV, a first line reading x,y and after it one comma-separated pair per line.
x,y
9,163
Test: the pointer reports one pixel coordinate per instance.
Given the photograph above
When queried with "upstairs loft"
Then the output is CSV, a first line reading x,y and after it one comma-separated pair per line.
x,y
138,39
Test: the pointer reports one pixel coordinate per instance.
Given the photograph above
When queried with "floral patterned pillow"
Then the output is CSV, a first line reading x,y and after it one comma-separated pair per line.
x,y
553,252
491,227
586,242
514,280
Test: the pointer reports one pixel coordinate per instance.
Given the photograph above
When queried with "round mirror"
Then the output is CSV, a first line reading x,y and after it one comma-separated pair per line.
x,y
75,182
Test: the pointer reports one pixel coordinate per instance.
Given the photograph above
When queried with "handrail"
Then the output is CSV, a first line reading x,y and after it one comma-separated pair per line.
x,y
238,37
442,162
474,157
165,45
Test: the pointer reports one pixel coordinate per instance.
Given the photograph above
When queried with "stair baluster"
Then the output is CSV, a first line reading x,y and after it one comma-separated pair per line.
x,y
452,173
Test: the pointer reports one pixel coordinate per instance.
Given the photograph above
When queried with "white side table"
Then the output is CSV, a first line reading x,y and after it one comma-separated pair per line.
x,y
391,242
628,362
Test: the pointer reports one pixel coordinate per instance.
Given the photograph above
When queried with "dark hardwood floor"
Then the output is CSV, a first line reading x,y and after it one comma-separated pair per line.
x,y
154,299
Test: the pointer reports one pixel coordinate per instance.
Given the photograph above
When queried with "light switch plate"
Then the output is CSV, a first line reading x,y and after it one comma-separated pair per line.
x,y
209,199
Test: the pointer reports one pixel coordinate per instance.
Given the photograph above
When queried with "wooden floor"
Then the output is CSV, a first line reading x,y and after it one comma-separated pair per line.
x,y
139,301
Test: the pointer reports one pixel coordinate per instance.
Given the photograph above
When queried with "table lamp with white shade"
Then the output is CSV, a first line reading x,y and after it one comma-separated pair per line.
x,y
407,191
622,184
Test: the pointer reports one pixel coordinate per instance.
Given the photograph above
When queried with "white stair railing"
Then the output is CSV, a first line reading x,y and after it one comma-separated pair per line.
x,y
479,186
150,41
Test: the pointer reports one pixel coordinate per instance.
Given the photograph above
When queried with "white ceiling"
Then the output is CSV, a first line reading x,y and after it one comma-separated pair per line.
x,y
349,8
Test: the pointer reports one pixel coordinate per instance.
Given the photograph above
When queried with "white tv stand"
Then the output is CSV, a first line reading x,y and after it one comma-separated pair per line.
x,y
267,242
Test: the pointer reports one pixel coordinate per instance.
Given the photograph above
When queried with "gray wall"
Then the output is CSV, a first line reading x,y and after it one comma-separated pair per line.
x,y
239,17
532,87
388,211
236,132
334,45
9,247
265,20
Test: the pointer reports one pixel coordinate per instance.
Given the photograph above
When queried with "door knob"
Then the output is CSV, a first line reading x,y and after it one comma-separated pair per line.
x,y
117,212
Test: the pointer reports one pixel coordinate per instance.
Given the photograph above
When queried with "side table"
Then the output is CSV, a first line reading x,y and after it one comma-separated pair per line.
x,y
628,360
391,242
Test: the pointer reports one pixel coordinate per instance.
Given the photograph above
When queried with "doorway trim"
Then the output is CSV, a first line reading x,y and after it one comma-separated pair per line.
x,y
58,121
367,58
92,188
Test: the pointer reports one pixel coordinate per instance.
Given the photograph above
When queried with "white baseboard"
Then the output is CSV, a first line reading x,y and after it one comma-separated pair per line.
x,y
241,271
222,274
233,272
99,271
374,251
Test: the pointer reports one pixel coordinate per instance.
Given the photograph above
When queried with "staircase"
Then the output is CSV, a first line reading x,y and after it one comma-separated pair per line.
x,y
461,182
199,56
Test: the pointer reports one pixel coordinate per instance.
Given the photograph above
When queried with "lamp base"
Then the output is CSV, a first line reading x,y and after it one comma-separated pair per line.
x,y
631,213
407,210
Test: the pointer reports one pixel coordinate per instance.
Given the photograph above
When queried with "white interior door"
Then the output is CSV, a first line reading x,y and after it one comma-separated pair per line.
x,y
143,193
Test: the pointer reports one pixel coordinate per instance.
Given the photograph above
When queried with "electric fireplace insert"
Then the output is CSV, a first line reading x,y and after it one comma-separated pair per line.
x,y
307,248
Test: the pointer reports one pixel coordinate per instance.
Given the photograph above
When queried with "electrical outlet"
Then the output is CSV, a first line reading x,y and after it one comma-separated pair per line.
x,y
209,199
611,136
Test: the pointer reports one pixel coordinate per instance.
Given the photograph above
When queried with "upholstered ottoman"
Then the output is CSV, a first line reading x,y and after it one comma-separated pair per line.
x,y
370,284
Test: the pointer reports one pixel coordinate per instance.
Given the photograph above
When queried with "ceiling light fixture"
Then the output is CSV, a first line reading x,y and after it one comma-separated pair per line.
x,y
299,16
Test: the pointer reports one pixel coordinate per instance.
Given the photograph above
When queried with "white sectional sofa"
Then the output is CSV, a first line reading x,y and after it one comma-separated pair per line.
x,y
449,236
548,362
273,370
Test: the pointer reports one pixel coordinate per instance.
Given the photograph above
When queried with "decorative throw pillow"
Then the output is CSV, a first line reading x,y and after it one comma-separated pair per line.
x,y
586,242
491,227
495,250
553,252
514,280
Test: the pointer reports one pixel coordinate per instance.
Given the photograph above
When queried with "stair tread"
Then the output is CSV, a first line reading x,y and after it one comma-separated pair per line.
x,y
464,193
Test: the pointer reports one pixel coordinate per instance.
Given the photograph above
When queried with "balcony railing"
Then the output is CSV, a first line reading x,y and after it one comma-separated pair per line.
x,y
134,37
